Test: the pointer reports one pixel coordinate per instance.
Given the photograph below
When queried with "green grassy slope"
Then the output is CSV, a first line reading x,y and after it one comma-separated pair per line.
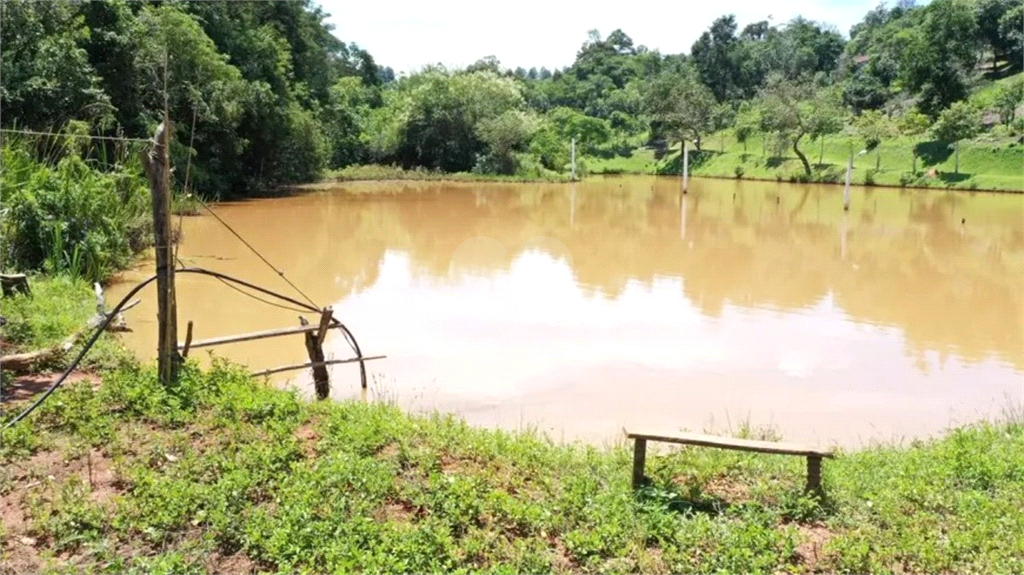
x,y
984,165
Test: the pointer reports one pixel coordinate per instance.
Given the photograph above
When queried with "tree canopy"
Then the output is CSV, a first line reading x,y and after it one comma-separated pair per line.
x,y
264,93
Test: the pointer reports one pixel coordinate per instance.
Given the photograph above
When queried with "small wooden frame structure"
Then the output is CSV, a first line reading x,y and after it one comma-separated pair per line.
x,y
314,338
813,455
15,283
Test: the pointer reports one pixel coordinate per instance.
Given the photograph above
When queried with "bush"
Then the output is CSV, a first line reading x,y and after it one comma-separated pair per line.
x,y
738,170
70,217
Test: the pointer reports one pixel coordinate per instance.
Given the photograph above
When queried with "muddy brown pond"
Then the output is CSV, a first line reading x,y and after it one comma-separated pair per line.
x,y
578,309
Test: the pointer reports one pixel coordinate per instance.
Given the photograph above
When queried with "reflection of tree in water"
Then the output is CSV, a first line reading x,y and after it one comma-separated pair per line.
x,y
908,265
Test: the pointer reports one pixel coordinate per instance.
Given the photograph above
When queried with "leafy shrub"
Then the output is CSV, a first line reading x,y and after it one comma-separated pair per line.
x,y
738,170
68,216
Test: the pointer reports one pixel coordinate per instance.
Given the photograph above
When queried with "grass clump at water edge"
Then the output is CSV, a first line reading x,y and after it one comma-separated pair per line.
x,y
222,473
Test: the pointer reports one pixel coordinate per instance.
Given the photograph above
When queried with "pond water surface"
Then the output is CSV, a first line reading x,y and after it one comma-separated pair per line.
x,y
582,308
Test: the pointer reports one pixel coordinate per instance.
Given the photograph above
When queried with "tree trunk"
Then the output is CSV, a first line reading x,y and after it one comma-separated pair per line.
x,y
821,152
956,164
913,165
803,158
878,158
697,142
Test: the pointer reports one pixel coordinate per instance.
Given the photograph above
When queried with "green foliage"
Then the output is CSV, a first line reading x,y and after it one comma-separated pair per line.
x,y
959,122
222,466
792,110
590,132
276,98
70,216
48,79
1009,98
680,106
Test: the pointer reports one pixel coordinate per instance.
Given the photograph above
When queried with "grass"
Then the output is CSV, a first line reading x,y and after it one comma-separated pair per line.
x,y
993,164
379,172
57,307
985,96
223,473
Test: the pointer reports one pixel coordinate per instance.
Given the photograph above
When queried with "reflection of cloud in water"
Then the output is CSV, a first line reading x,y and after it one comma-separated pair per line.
x,y
480,255
476,255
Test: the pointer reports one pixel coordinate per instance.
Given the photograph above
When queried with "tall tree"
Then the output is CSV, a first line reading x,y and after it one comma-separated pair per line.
x,y
793,109
958,122
711,55
913,124
873,127
680,105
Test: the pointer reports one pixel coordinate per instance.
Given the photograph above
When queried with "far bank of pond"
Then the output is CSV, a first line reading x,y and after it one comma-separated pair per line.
x,y
580,308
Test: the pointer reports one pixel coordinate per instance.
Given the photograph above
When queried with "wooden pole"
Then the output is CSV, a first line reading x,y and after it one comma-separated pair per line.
x,y
573,160
686,167
639,458
814,474
321,379
315,364
158,169
846,189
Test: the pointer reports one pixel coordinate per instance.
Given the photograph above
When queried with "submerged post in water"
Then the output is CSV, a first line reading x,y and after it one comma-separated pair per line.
x,y
849,171
572,155
846,189
686,167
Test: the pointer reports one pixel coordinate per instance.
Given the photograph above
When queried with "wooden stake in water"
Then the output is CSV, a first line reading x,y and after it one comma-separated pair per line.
x,y
846,190
686,167
573,160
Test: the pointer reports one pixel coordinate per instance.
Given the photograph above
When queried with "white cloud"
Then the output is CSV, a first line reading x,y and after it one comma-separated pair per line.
x,y
408,34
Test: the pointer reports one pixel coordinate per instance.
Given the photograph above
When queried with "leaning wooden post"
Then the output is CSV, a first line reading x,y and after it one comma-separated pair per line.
x,y
158,169
314,347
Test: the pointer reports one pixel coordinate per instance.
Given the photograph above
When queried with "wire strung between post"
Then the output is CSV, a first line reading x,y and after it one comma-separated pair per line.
x,y
56,135
247,294
258,254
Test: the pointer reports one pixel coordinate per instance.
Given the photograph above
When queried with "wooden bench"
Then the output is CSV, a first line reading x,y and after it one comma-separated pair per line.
x,y
813,455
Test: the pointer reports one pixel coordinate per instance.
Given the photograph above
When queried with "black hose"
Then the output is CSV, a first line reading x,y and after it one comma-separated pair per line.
x,y
85,349
110,316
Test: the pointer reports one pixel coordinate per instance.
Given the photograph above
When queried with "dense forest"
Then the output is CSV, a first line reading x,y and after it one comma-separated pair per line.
x,y
263,94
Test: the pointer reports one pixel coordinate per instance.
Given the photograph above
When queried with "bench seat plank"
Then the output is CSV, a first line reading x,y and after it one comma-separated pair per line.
x,y
731,443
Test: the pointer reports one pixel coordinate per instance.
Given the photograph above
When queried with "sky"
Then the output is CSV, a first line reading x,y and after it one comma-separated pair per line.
x,y
408,34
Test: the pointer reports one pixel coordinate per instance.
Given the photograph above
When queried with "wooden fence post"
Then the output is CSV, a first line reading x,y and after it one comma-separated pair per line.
x,y
158,169
314,347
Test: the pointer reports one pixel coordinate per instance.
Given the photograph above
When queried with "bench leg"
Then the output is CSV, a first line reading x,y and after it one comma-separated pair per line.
x,y
639,458
814,474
